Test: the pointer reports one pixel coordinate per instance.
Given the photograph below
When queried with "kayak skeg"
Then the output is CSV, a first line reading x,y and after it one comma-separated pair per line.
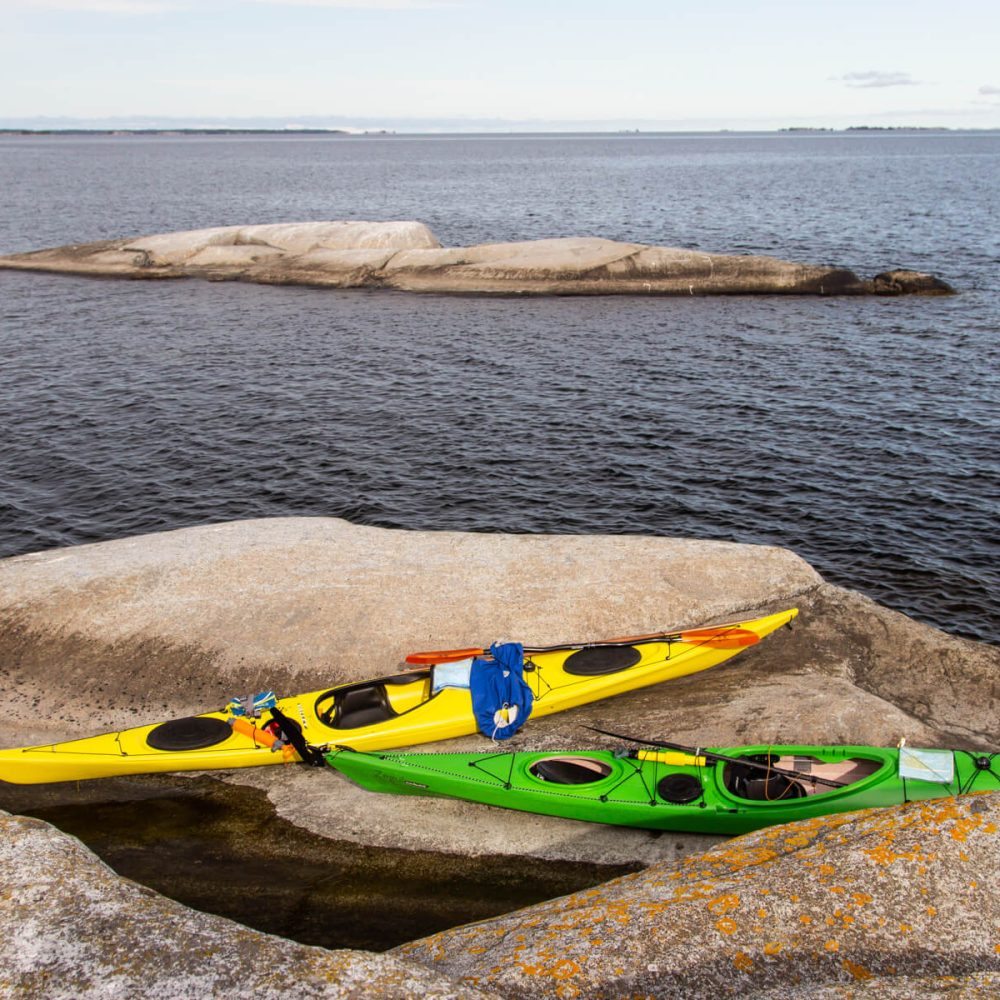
x,y
744,789
421,705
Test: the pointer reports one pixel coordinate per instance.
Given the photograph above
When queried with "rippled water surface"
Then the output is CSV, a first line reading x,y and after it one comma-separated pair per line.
x,y
861,433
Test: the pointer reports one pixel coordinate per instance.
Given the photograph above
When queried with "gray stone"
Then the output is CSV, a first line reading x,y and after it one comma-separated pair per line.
x,y
975,986
132,630
71,928
903,282
406,255
147,628
836,903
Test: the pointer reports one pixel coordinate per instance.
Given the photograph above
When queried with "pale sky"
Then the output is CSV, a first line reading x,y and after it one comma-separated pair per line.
x,y
426,64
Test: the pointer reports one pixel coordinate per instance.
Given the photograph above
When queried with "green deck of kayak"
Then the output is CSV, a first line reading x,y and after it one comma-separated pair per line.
x,y
672,791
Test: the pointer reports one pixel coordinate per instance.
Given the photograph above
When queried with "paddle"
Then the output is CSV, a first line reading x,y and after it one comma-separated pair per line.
x,y
710,755
719,637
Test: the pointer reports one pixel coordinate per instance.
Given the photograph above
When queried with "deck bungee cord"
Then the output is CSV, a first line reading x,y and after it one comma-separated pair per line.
x,y
711,754
670,786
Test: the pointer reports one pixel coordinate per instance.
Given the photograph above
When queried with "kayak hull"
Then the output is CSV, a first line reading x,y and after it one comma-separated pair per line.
x,y
663,791
387,712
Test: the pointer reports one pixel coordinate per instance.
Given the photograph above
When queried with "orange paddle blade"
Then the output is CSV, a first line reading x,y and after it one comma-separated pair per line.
x,y
720,638
444,655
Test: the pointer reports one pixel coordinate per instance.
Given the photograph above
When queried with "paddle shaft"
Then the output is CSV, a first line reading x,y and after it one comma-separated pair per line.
x,y
709,754
723,636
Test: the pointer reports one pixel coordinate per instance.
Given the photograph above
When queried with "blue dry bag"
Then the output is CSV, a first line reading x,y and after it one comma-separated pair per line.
x,y
501,700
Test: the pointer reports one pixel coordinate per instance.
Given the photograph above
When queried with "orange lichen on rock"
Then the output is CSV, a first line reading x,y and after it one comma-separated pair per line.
x,y
898,866
725,903
858,972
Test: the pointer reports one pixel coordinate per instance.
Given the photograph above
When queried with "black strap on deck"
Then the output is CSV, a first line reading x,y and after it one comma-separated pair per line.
x,y
292,732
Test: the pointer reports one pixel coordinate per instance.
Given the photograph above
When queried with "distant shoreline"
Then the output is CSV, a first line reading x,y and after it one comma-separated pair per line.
x,y
183,131
338,133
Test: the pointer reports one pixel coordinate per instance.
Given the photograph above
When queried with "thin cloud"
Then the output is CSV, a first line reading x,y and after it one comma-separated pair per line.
x,y
878,78
98,6
364,4
168,6
989,91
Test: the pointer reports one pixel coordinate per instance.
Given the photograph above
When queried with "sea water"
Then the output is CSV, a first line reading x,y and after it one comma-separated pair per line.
x,y
862,433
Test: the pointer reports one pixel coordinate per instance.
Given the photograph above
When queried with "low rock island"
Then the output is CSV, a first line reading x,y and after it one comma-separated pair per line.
x,y
877,903
407,256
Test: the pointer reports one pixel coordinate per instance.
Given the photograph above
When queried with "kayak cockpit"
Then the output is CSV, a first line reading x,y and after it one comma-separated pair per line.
x,y
195,732
761,786
767,778
596,661
354,706
570,770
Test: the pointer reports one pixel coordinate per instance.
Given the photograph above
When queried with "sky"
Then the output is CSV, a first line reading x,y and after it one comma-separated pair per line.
x,y
469,65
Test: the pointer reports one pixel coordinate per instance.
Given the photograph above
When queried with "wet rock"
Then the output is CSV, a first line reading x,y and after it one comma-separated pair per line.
x,y
71,928
407,256
909,283
843,905
221,848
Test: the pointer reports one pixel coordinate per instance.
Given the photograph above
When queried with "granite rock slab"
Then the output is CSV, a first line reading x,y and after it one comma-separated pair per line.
x,y
96,637
163,625
839,904
71,928
407,256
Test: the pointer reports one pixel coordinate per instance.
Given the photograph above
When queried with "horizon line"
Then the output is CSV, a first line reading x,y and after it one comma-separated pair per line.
x,y
379,131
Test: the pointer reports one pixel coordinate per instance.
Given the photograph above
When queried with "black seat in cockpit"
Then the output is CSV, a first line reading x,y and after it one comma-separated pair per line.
x,y
770,788
759,784
361,706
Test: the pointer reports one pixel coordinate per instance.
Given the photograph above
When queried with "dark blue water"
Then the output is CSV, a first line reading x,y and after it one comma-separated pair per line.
x,y
863,434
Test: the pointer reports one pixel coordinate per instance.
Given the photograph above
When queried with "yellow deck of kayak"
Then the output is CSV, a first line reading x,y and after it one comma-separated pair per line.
x,y
420,716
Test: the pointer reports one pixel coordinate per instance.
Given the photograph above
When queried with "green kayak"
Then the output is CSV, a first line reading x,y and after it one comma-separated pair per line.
x,y
724,791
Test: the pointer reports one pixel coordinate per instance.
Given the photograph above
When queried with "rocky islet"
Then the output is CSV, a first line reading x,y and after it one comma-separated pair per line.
x,y
406,256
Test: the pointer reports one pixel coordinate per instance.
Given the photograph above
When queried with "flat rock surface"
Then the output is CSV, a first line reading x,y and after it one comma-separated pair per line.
x,y
121,632
407,256
839,903
70,927
96,637
99,636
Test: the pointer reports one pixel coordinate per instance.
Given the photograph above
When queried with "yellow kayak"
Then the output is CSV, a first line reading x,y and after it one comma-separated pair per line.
x,y
416,706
